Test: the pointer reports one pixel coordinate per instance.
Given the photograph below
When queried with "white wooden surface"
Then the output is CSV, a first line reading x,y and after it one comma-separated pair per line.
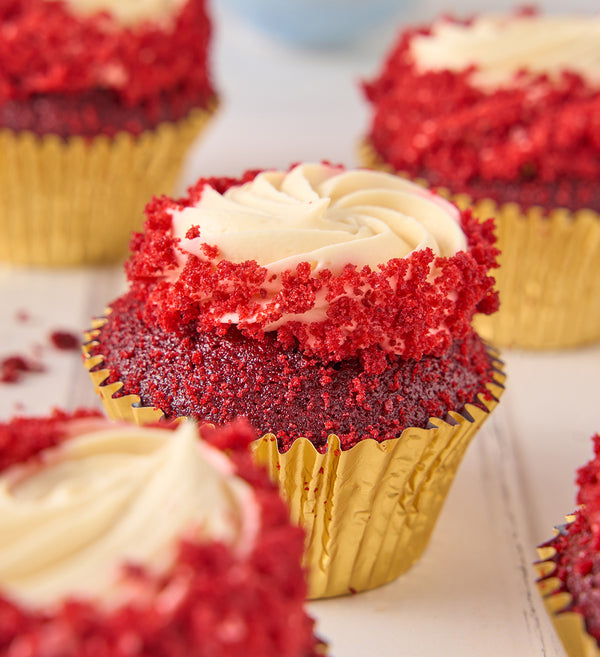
x,y
472,594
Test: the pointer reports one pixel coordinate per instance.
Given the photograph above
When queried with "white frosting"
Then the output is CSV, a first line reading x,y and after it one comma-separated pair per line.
x,y
322,215
128,12
111,497
501,46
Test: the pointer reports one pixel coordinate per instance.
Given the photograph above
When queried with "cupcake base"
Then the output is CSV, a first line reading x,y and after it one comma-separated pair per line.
x,y
368,511
76,201
549,275
569,625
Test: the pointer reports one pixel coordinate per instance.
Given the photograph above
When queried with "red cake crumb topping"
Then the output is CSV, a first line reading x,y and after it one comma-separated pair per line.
x,y
212,603
13,367
215,377
85,75
537,143
578,547
409,307
65,340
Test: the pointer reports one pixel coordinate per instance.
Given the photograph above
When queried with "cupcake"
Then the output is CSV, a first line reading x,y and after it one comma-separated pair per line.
x,y
99,101
331,308
121,540
502,113
570,566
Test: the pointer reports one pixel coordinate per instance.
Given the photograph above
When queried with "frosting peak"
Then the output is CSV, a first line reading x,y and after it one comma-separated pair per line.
x,y
322,215
128,12
71,522
499,47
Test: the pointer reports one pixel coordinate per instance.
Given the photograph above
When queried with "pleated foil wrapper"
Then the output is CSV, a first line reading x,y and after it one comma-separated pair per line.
x,y
369,511
549,274
569,625
76,201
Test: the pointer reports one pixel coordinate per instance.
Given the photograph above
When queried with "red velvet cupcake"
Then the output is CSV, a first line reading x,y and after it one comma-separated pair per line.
x,y
503,113
99,101
86,569
333,309
570,570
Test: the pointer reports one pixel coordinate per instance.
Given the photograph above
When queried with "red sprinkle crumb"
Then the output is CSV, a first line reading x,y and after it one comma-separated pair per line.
x,y
65,340
13,367
22,315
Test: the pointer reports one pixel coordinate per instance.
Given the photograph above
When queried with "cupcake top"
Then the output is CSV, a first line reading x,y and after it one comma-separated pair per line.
x,y
342,263
504,107
578,546
75,515
116,535
506,51
150,54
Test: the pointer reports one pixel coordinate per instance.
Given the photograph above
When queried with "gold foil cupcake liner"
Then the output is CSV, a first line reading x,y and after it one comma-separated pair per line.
x,y
368,511
569,625
549,274
76,201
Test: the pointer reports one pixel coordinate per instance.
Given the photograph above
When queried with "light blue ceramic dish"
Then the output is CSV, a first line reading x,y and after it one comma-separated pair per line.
x,y
316,22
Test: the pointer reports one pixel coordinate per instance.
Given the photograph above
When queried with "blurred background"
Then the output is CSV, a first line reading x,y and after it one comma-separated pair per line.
x,y
289,72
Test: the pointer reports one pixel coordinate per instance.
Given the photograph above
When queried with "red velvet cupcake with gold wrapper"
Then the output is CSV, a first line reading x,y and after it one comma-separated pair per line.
x,y
99,102
570,567
119,540
503,114
332,308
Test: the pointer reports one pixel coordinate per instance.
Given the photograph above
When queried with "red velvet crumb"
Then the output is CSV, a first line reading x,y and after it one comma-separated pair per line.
x,y
65,340
13,367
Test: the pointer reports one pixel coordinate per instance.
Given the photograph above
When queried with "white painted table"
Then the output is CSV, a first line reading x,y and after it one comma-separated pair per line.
x,y
472,594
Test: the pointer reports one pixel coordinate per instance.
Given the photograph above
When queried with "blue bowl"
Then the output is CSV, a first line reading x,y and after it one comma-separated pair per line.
x,y
316,22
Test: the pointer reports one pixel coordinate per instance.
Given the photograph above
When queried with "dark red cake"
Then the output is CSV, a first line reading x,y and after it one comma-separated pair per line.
x,y
212,601
531,138
577,547
394,347
65,70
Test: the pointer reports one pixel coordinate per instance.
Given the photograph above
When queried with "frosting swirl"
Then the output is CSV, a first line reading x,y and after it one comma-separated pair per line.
x,y
322,215
71,521
128,12
502,46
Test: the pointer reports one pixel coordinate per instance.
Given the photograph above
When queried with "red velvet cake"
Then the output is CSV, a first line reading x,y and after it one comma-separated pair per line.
x,y
332,308
99,102
503,113
86,570
392,348
574,564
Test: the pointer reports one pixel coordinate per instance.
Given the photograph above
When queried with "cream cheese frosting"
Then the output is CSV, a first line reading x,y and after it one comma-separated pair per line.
x,y
128,12
501,46
125,495
323,215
